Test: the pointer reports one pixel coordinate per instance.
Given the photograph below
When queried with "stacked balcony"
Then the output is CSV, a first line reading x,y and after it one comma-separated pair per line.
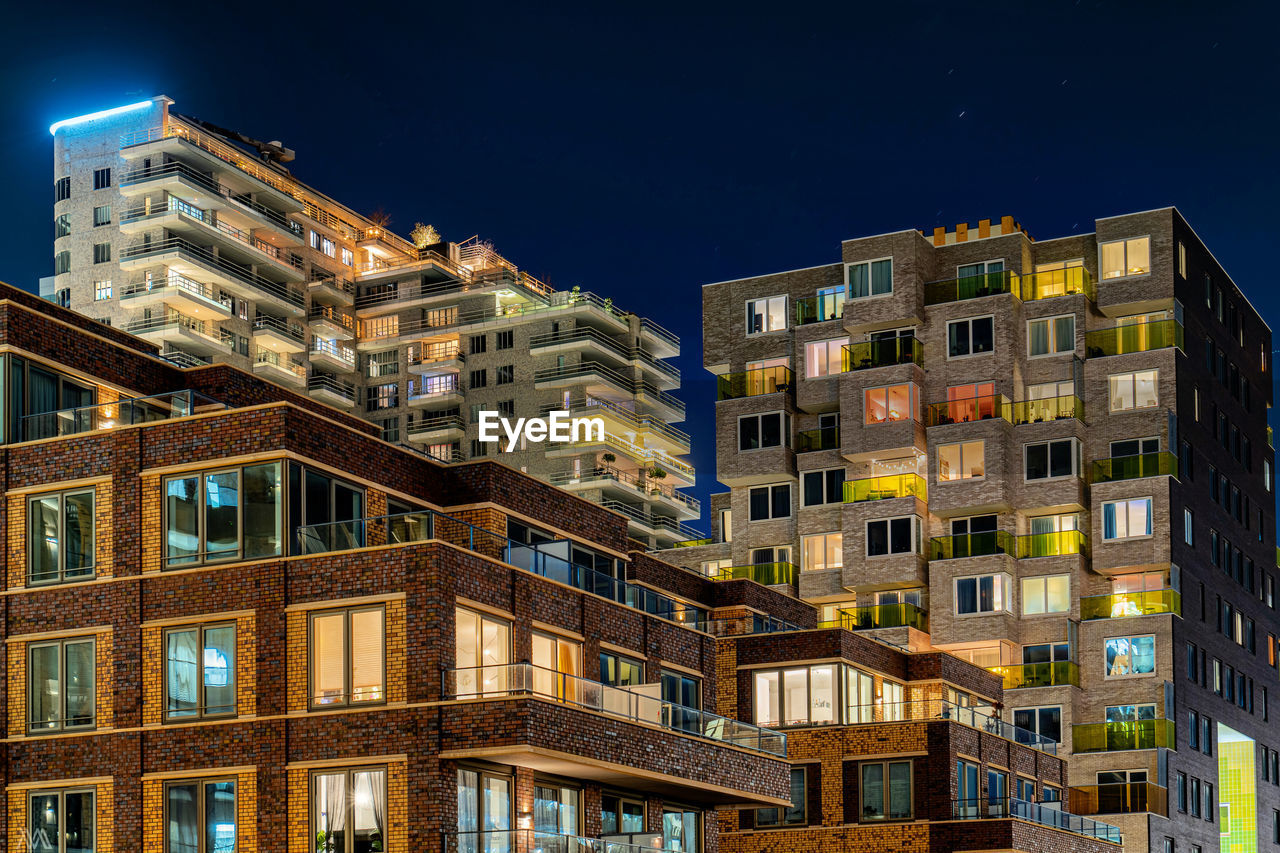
x,y
1119,798
1122,736
1134,337
332,390
332,355
331,323
822,438
1043,674
182,294
199,263
865,355
279,368
189,334
872,616
1162,464
1119,605
436,430
886,488
755,383
435,392
278,334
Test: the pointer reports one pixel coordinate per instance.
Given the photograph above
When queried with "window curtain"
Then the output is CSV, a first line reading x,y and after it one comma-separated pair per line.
x,y
1108,521
468,817
183,675
184,814
881,278
1040,338
376,783
859,285
331,800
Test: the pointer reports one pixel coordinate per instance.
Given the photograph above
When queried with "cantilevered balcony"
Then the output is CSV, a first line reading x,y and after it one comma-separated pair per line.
x,y
279,368
971,287
187,333
886,487
437,430
180,293
1020,824
1118,605
1133,337
1051,283
818,309
1119,798
755,382
968,410
331,323
1057,544
278,334
332,390
331,290
512,840
822,438
1163,464
434,392
871,616
768,574
982,544
199,263
1046,674
619,483
666,527
444,357
1122,736
882,353
101,416
591,375
1047,409
332,355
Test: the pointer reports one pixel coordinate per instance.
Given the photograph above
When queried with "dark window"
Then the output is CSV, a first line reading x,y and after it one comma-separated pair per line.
x,y
791,815
1050,459
62,189
890,536
823,487
504,340
477,344
506,374
479,378
768,502
970,337
101,178
101,253
768,430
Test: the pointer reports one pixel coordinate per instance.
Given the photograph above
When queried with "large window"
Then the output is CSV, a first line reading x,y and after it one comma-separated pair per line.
x,y
772,429
964,461
681,829
766,315
893,536
482,651
983,594
823,358
620,815
892,403
1046,460
1127,656
328,510
349,810
885,791
60,685
973,402
816,695
973,336
792,815
823,487
768,502
200,671
200,816
62,821
1126,519
348,656
1126,257
557,809
821,551
60,536
870,278
1046,722
222,515
1051,335
620,671
1046,594
557,666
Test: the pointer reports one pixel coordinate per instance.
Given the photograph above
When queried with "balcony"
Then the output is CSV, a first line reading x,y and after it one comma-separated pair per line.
x,y
1063,282
329,322
278,334
1057,544
278,368
658,433
768,574
1118,605
332,390
1163,464
512,840
196,262
984,544
882,353
332,290
822,438
1041,814
754,383
436,358
187,333
662,343
968,410
629,485
1047,409
665,527
818,309
437,430
1046,674
972,287
590,375
179,293
884,488
434,391
332,355
1119,798
179,179
1122,736
870,616
1133,337
180,218
136,410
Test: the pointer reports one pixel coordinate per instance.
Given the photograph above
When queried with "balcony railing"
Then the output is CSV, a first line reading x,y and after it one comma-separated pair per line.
x,y
822,438
327,313
1117,737
883,488
210,184
435,354
1134,337
332,384
173,283
531,840
642,485
988,808
269,323
869,616
1047,409
816,309
342,285
969,409
583,371
1119,798
436,424
275,359
971,287
292,295
1064,282
882,353
1118,605
433,386
982,544
136,410
650,520
753,383
940,709
693,543
319,346
1056,544
762,573
1046,674
1163,464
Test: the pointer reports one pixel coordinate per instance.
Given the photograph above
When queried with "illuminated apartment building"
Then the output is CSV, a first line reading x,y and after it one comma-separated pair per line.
x,y
199,240
1050,458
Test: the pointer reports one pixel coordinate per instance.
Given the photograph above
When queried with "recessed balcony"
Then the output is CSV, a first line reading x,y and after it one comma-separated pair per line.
x,y
332,355
1118,605
885,352
971,287
180,293
1163,464
1061,282
331,323
1045,674
969,410
885,488
1047,409
436,358
755,383
983,544
278,334
822,438
1119,798
768,574
434,392
871,616
1122,736
1133,337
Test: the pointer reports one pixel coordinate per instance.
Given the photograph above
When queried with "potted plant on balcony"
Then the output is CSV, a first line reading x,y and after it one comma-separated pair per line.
x,y
657,475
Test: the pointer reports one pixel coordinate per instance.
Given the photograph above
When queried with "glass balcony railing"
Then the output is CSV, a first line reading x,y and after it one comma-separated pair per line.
x,y
1056,544
1119,798
1047,409
1064,282
968,409
1117,605
753,383
900,615
983,544
816,309
1046,674
1044,814
513,840
822,438
125,412
1163,464
762,573
693,543
1117,737
972,287
882,353
1133,337
882,488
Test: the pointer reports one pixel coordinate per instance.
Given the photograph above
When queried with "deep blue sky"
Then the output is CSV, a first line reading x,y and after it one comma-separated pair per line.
x,y
644,151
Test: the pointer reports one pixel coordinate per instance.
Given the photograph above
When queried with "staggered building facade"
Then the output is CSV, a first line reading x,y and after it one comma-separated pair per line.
x,y
1050,458
198,239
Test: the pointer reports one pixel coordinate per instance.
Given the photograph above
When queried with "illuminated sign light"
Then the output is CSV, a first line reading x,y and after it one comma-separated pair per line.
x,y
58,125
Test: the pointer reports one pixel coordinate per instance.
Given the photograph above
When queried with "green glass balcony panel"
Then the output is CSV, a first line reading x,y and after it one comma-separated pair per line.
x,y
1064,282
1117,605
818,309
882,488
902,615
1162,464
972,287
753,383
822,438
1117,737
968,410
1056,544
982,544
762,573
1047,409
882,353
1133,337
1047,674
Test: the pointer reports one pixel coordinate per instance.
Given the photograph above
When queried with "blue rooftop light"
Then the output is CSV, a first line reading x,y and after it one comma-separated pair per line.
x,y
57,125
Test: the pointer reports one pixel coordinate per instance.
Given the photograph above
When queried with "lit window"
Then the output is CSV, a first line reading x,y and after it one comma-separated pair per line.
x,y
982,594
1126,656
348,809
1136,390
801,695
348,257
830,303
1051,335
893,403
1126,257
347,664
53,815
822,551
1126,519
973,336
870,278
961,461
1182,259
223,515
823,358
766,315
1046,594
200,671
973,402
60,685
482,651
102,290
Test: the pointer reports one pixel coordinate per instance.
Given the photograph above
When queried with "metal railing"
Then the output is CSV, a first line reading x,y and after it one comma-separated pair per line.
x,y
134,410
1118,605
332,384
632,705
1133,337
532,841
982,544
342,285
822,438
864,355
971,287
583,370
1062,282
643,485
1045,814
648,519
969,409
639,421
1045,674
647,325
1162,464
426,387
767,574
176,244
210,184
1056,544
327,313
1122,736
435,424
173,282
755,382
926,710
283,362
1119,798
320,346
885,487
1047,409
171,321
270,323
435,354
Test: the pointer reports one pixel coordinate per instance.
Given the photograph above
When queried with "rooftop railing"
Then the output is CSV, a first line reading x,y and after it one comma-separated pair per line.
x,y
882,353
767,574
631,705
1121,736
1045,674
1056,544
982,544
1118,605
1047,409
1119,798
822,438
983,408
970,287
1162,464
1051,283
1044,814
1134,337
287,293
100,416
883,488
754,383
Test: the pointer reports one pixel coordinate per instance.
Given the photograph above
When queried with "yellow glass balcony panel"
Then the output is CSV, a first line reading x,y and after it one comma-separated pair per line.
x,y
882,353
753,383
1056,544
1047,409
1117,605
1046,674
882,488
983,544
1063,282
1116,737
762,573
1162,464
1134,337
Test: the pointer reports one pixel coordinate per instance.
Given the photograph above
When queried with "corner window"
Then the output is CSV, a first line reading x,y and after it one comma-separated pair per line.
x,y
973,336
1046,594
1125,257
1136,390
821,551
222,515
823,487
60,537
823,358
767,502
348,656
983,594
1126,519
63,821
792,815
1051,335
870,278
756,432
200,671
796,696
766,315
964,461
885,790
200,816
60,685
893,536
1128,656
1046,460
889,404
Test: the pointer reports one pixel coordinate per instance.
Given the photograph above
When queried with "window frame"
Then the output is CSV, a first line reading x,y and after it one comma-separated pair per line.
x,y
1006,593
201,712
1037,709
1053,336
63,692
59,845
61,577
884,787
1155,664
1133,377
784,430
347,664
1150,501
201,829
916,536
805,549
1044,581
824,344
824,475
749,311
1124,241
1076,452
982,445
770,495
969,321
913,404
781,811
871,294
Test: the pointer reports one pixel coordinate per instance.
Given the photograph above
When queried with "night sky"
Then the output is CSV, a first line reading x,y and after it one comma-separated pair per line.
x,y
645,151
